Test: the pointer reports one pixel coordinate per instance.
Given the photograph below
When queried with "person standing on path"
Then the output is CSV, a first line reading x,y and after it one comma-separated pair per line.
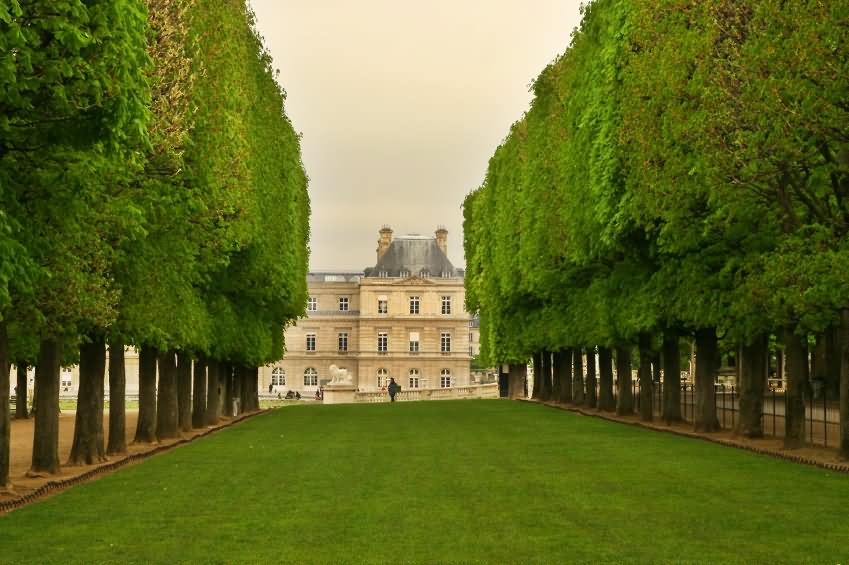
x,y
393,389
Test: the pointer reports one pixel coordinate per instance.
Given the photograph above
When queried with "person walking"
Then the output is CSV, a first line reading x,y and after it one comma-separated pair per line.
x,y
393,389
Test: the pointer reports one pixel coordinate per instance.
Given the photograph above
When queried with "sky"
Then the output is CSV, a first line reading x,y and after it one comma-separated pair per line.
x,y
401,104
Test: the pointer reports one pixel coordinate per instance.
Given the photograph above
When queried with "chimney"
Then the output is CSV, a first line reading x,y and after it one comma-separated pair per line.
x,y
384,241
442,239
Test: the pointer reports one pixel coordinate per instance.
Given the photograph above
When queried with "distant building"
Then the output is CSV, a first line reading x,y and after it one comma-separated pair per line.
x,y
475,336
404,318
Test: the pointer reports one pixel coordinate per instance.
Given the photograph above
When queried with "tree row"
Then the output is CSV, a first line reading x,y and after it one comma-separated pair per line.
x,y
682,173
152,195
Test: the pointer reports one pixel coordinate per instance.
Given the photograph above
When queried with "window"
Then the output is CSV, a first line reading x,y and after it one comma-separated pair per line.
x,y
414,342
471,337
382,378
66,378
414,305
446,304
278,377
414,378
382,305
405,274
310,342
383,274
425,274
471,351
445,378
445,342
343,303
446,275
382,342
312,304
310,377
343,341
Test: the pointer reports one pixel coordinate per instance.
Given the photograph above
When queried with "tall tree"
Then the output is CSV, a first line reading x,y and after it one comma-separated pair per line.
x,y
87,446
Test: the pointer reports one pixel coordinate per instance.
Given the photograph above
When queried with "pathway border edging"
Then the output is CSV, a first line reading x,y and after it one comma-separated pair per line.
x,y
43,490
837,467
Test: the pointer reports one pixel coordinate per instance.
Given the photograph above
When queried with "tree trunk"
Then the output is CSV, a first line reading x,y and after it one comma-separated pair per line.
x,y
516,384
5,421
253,389
556,380
704,417
45,447
213,393
844,384
146,426
117,400
645,378
819,362
87,447
184,391
228,386
21,393
199,393
832,360
537,360
562,366
606,402
751,383
243,386
167,417
796,351
590,398
625,395
671,378
547,389
578,376
655,366
225,373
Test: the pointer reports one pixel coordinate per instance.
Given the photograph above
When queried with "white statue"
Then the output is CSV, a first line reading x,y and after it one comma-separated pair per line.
x,y
340,376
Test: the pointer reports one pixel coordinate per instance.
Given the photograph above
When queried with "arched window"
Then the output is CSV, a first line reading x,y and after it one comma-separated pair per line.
x,y
414,378
382,377
310,377
278,377
445,378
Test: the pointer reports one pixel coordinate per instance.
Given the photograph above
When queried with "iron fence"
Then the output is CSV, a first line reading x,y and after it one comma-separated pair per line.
x,y
822,409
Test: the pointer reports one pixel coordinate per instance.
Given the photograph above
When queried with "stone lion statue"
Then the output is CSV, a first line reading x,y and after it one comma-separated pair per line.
x,y
339,376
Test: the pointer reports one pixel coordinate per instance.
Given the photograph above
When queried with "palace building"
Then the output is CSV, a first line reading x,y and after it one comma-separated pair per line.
x,y
404,318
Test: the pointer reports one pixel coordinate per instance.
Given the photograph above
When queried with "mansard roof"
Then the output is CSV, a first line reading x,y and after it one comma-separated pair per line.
x,y
412,255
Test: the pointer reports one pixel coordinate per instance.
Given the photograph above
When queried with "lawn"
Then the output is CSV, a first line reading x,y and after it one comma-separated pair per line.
x,y
441,482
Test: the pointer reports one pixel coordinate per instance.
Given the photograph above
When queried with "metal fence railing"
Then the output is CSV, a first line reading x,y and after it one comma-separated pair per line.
x,y
822,410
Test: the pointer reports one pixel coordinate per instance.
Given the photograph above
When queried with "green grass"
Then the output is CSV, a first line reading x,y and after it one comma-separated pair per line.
x,y
441,482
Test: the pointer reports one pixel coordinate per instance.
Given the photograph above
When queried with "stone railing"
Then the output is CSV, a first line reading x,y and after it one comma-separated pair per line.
x,y
451,393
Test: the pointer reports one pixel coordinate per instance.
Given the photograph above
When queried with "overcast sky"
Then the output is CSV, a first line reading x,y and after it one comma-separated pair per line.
x,y
401,104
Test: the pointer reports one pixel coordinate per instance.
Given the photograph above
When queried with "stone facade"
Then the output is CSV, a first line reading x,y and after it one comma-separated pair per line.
x,y
403,319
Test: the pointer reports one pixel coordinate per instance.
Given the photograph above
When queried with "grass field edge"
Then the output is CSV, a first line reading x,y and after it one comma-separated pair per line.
x,y
54,487
799,459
